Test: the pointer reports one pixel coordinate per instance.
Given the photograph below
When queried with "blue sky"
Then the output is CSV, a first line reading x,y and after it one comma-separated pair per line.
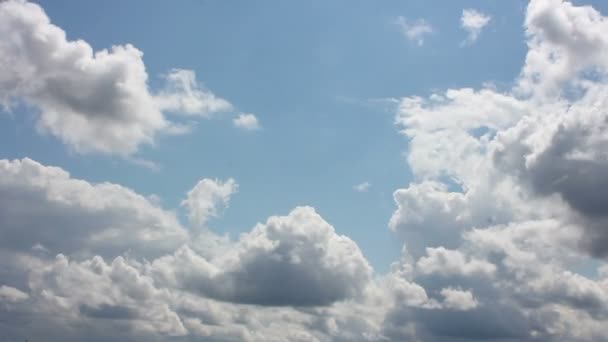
x,y
303,170
319,76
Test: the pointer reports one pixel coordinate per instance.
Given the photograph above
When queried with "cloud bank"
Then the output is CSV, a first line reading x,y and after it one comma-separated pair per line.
x,y
503,227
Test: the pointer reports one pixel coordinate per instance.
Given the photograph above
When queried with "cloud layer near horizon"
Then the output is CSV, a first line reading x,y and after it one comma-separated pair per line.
x,y
500,258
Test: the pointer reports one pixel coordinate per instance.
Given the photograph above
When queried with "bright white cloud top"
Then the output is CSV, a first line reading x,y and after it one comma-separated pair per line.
x,y
504,222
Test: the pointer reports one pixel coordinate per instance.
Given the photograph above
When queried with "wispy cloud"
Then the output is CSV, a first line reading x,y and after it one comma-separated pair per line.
x,y
415,30
362,187
473,22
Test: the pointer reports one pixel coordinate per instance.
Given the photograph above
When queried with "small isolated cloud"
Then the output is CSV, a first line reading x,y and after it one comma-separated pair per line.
x,y
246,121
362,187
473,22
415,30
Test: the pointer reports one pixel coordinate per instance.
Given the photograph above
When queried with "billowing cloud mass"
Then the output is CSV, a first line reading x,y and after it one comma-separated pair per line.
x,y
510,196
473,22
504,224
93,101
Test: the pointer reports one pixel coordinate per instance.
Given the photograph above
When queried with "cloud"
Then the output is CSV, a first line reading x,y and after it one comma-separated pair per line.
x,y
44,206
295,260
206,198
415,30
12,295
183,95
506,194
93,101
246,121
458,299
112,263
362,187
502,223
453,262
473,22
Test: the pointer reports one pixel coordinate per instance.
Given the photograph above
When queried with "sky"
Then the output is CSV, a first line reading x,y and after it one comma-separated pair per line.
x,y
303,171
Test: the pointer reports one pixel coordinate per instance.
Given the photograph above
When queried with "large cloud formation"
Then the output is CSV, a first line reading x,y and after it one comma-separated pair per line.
x,y
92,101
504,225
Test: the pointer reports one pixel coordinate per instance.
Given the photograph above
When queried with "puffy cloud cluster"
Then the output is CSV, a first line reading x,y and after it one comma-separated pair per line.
x,y
45,209
110,262
93,101
509,196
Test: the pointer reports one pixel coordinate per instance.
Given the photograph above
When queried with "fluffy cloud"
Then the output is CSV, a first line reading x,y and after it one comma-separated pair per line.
x,y
458,299
503,225
93,101
206,198
46,209
184,95
294,260
473,22
246,121
414,30
508,196
100,260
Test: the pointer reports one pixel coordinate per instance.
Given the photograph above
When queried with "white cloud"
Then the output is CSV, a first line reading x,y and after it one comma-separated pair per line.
x,y
246,121
362,187
458,299
184,95
44,206
473,22
12,295
206,199
296,259
143,286
93,101
504,209
453,262
509,181
415,30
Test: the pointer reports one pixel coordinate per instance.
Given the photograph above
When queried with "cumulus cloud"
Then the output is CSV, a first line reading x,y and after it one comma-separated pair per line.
x,y
93,101
113,263
507,195
503,226
45,208
206,199
473,22
415,30
296,260
246,121
458,299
